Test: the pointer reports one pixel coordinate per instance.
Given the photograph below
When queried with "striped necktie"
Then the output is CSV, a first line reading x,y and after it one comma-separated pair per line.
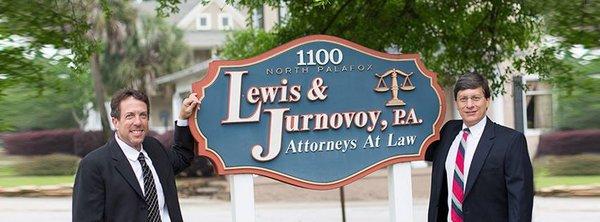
x,y
458,182
150,191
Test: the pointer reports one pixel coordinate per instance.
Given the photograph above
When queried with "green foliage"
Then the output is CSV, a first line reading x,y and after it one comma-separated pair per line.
x,y
453,37
577,108
153,48
132,56
576,22
59,105
247,43
53,164
28,29
32,29
582,164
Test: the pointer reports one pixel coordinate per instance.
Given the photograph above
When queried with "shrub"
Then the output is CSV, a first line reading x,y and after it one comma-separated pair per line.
x,y
569,142
86,142
200,166
54,164
2,135
40,142
582,164
166,139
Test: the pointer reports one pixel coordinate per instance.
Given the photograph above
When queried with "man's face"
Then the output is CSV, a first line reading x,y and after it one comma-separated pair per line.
x,y
132,123
472,105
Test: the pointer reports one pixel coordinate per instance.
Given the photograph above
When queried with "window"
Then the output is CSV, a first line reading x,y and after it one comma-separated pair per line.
x,y
225,22
203,21
537,104
258,18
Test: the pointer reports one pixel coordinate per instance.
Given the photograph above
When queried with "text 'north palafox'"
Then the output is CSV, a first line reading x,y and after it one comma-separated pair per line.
x,y
318,112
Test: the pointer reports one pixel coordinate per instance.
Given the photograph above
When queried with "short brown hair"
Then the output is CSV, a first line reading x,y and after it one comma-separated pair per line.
x,y
123,94
472,80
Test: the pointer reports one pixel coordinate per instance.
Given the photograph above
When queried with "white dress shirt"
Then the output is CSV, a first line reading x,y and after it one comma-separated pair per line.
x,y
132,156
472,141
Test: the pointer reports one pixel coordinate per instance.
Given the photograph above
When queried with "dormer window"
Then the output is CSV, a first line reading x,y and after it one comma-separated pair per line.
x,y
225,22
203,21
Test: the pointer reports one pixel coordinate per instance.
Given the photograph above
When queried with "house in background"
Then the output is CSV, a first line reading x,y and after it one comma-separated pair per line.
x,y
205,27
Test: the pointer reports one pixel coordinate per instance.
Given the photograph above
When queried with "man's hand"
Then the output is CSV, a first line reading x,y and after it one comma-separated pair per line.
x,y
189,106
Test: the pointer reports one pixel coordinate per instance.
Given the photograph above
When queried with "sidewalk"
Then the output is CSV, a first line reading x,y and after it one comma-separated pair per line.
x,y
546,209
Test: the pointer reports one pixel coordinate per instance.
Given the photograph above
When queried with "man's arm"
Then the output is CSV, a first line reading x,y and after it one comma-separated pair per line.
x,y
181,153
430,153
433,147
88,193
519,181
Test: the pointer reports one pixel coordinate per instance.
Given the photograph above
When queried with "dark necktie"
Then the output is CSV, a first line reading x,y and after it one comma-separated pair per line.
x,y
151,197
458,182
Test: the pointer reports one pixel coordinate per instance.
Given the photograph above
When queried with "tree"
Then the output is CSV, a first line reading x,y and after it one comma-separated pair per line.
x,y
154,48
76,25
452,37
111,23
25,30
575,22
60,105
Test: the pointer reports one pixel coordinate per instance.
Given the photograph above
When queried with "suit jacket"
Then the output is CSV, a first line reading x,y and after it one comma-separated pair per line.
x,y
106,188
500,182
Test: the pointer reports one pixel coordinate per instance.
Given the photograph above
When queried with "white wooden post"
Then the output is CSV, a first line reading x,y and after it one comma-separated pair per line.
x,y
242,197
400,192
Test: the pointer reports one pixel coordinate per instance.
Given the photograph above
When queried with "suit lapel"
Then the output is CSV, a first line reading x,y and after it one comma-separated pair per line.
x,y
162,167
483,149
122,165
157,162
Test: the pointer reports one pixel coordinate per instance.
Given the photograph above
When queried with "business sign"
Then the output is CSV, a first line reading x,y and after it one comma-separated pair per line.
x,y
318,112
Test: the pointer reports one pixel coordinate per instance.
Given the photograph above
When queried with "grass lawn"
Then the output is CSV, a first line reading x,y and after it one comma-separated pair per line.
x,y
14,181
547,181
6,171
9,178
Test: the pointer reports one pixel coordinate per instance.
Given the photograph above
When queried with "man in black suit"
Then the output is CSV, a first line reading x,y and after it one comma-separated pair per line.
x,y
132,177
481,170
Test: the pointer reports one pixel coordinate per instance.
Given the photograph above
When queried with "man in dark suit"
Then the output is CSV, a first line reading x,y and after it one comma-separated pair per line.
x,y
132,177
481,170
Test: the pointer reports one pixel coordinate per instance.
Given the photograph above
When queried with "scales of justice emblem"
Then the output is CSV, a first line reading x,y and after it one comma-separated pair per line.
x,y
381,87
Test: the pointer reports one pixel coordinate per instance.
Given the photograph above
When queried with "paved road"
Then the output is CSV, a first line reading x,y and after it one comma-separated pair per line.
x,y
547,209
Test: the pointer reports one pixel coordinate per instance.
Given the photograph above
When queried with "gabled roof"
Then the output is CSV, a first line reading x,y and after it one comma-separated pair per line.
x,y
149,8
192,14
187,10
198,68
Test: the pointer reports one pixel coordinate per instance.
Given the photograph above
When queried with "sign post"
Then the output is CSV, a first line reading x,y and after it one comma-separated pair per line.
x,y
242,197
400,192
318,112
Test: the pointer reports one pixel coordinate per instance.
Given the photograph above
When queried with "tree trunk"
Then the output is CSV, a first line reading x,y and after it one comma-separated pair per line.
x,y
99,95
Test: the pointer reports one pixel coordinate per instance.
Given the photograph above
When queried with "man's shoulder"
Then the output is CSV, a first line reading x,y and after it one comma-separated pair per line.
x,y
98,155
454,122
515,141
152,141
451,124
506,131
